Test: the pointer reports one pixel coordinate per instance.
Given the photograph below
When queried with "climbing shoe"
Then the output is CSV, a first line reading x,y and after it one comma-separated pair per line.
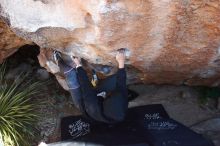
x,y
56,56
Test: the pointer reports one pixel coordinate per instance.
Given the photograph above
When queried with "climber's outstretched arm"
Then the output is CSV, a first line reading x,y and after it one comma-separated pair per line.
x,y
121,74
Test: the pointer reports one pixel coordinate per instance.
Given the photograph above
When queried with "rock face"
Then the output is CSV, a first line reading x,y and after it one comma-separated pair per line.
x,y
167,41
9,41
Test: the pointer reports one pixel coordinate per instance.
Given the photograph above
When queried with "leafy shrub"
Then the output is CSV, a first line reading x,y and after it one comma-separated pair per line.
x,y
17,109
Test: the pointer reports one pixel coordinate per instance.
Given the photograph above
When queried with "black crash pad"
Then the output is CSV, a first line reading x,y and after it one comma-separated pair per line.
x,y
148,125
168,132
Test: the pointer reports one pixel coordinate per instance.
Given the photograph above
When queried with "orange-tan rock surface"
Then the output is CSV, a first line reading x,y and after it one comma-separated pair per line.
x,y
9,41
167,41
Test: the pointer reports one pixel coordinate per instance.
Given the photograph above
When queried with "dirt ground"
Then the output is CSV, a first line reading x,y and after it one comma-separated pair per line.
x,y
181,102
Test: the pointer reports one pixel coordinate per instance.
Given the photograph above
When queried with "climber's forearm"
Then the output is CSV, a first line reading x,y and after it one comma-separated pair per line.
x,y
121,65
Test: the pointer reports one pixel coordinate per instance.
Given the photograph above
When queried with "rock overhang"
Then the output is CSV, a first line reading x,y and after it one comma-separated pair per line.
x,y
169,41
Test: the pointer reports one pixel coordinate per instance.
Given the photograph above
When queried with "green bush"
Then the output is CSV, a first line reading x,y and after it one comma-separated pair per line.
x,y
18,114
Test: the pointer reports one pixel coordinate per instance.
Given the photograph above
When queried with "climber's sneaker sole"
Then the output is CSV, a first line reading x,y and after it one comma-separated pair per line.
x,y
56,56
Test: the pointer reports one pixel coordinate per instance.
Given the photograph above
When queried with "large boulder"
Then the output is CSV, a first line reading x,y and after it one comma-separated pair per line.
x,y
167,41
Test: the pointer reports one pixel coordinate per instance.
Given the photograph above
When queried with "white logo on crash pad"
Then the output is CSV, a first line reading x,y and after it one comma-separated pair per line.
x,y
79,128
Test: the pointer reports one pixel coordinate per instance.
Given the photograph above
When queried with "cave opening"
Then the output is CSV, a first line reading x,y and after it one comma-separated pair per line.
x,y
25,60
25,54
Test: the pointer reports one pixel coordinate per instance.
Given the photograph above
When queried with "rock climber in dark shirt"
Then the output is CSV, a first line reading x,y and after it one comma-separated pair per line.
x,y
92,101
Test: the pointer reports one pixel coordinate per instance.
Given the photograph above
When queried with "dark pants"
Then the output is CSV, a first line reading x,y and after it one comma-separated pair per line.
x,y
115,106
73,84
111,109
